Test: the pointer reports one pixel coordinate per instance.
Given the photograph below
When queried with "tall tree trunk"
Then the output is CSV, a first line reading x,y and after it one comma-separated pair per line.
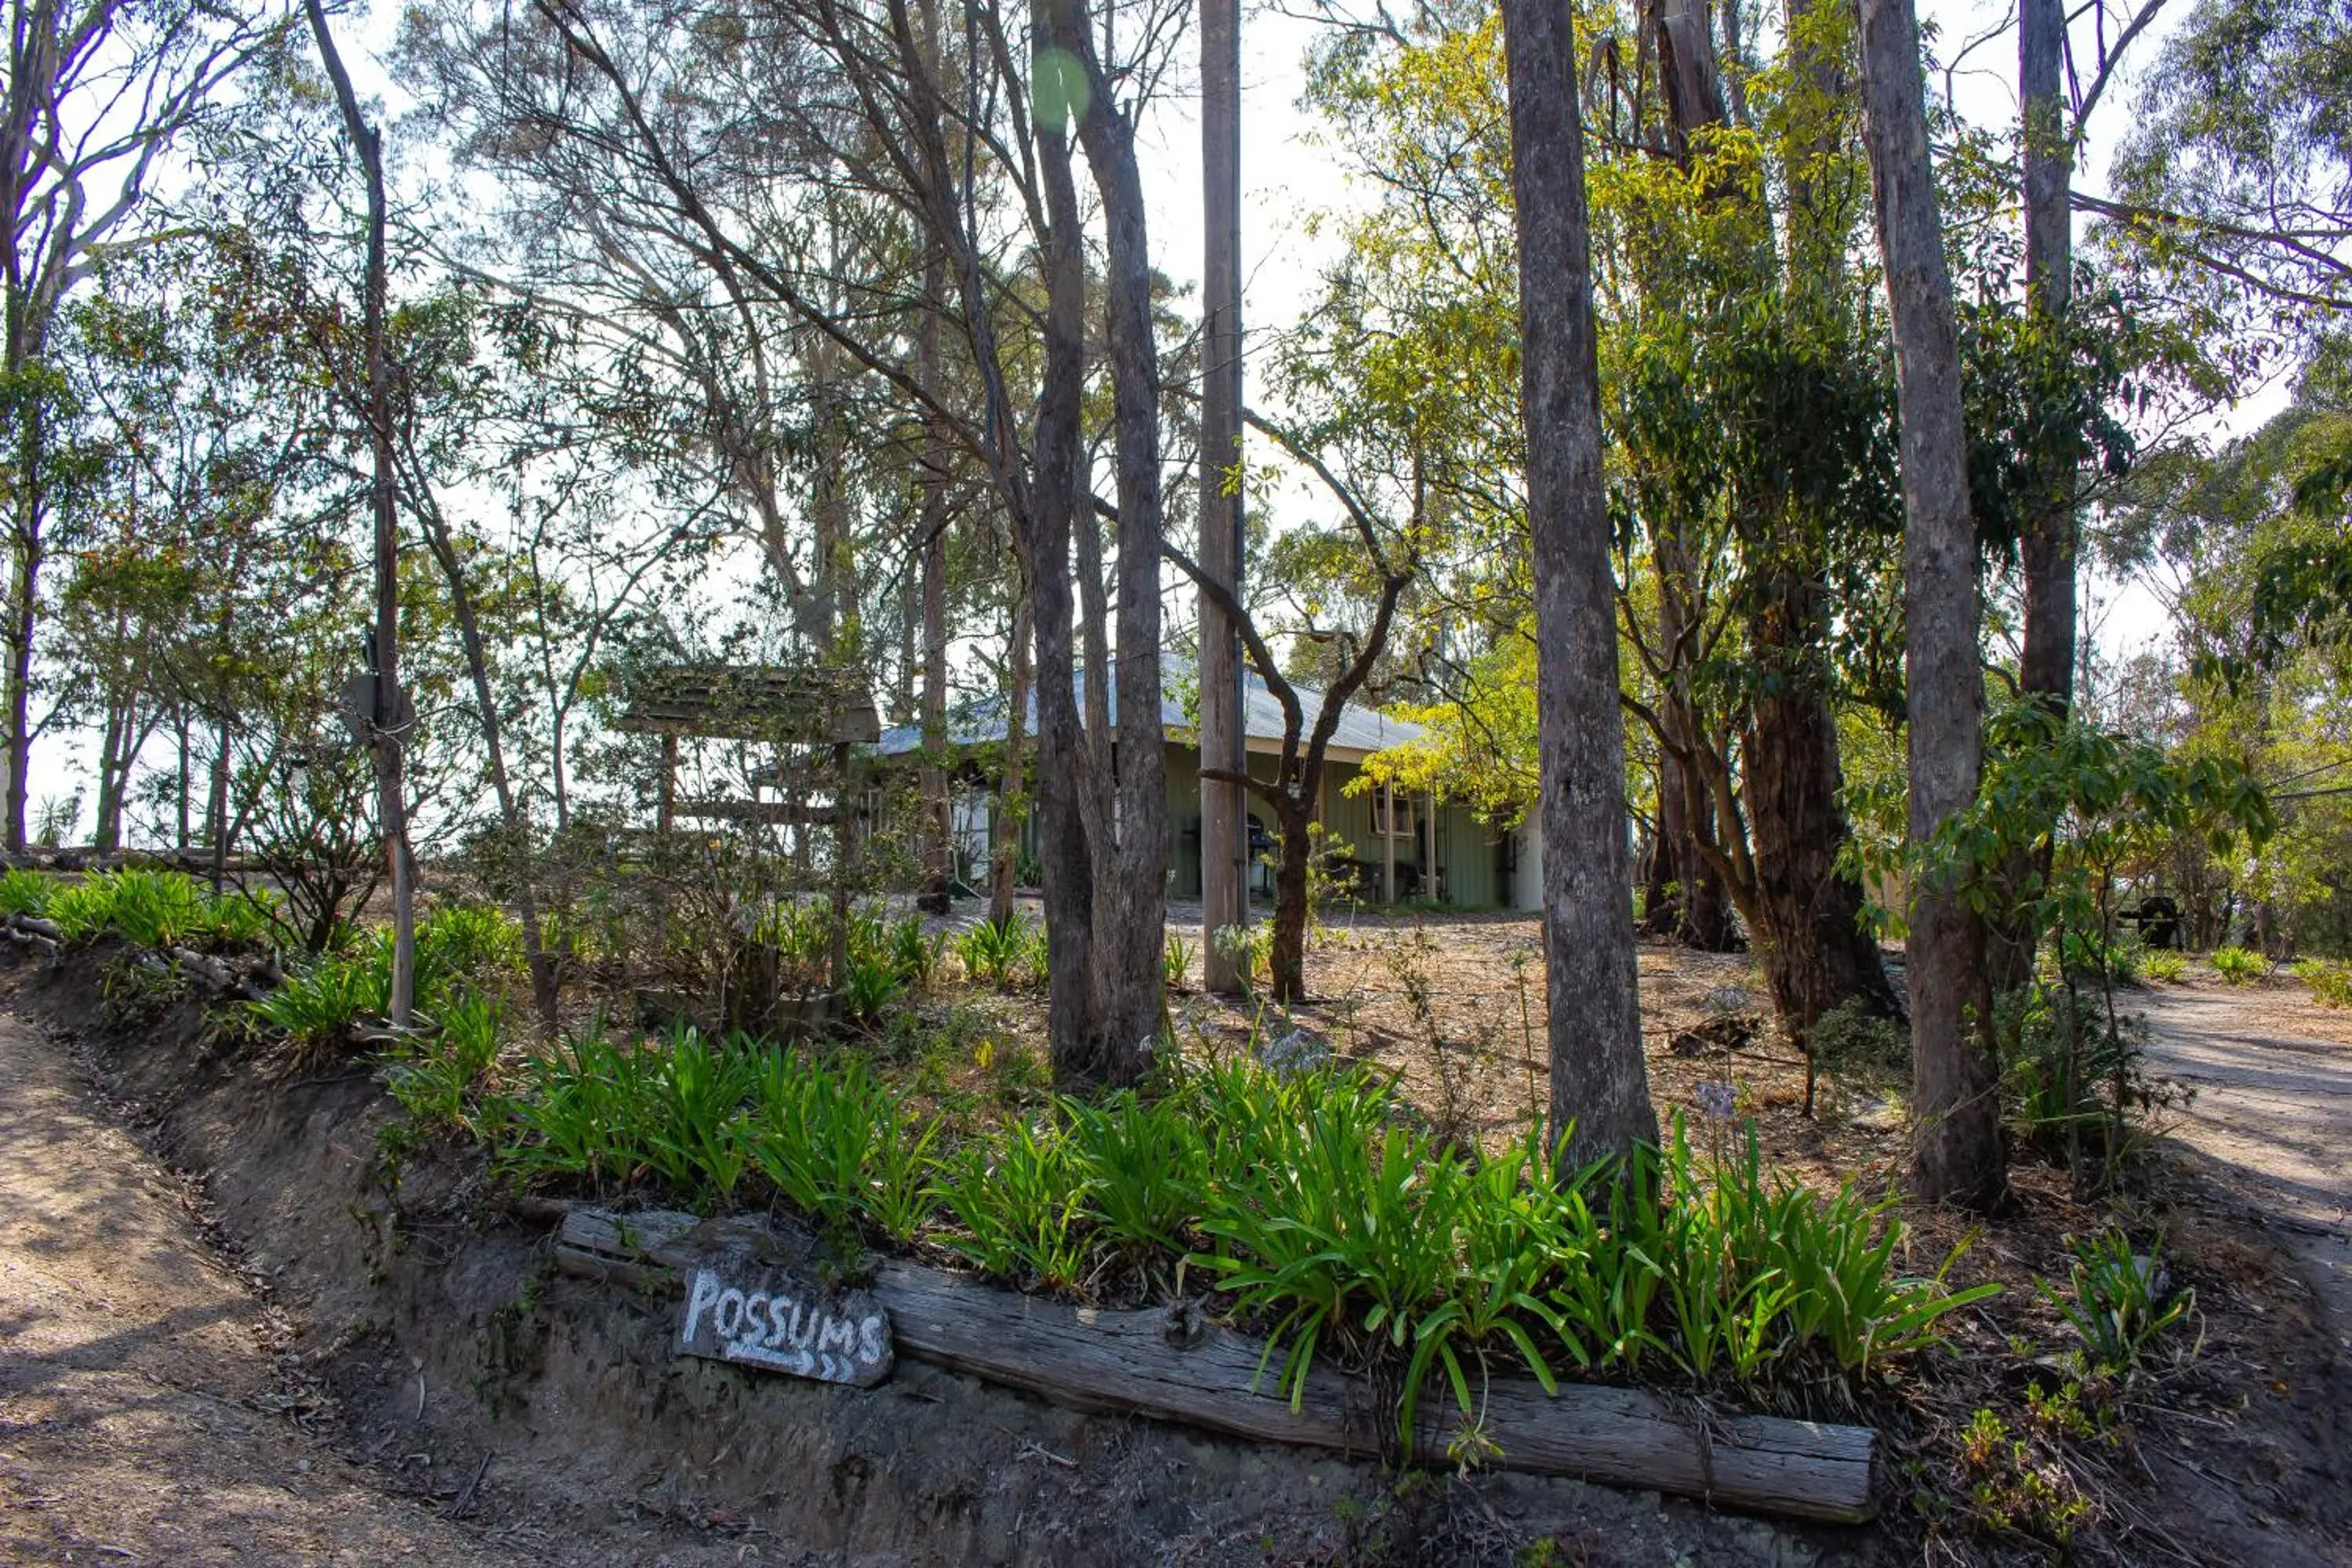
x,y
2047,550
1957,1152
1099,671
392,714
27,552
1817,955
1810,936
1699,915
2048,666
1065,759
1005,829
217,830
939,848
1128,968
1295,819
180,837
1224,840
1600,1085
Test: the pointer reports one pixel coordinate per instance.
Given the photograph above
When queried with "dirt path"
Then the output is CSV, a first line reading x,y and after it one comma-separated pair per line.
x,y
2273,1116
143,1415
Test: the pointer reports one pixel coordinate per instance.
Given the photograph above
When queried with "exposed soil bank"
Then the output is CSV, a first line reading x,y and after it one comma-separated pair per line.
x,y
433,1345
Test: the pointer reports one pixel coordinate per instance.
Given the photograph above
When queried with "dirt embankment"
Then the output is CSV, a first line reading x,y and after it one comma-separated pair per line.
x,y
452,1396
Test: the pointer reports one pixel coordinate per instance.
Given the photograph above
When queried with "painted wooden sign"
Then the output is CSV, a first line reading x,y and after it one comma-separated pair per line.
x,y
773,1321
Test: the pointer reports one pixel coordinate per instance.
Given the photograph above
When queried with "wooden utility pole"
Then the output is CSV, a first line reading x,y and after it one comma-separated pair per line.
x,y
1600,1084
387,723
1224,811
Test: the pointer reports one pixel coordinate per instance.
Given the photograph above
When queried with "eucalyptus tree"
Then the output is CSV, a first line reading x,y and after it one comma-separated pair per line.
x,y
2046,667
387,713
707,144
210,569
1957,1149
1600,1084
1752,475
1355,573
2236,172
96,96
1752,414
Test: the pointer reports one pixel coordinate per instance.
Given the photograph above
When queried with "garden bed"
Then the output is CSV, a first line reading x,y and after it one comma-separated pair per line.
x,y
2012,1448
434,1331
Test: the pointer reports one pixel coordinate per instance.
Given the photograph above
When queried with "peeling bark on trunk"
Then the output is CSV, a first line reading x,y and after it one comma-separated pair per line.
x,y
1131,910
1064,758
1103,840
1600,1085
1294,821
1815,953
1697,911
1956,1151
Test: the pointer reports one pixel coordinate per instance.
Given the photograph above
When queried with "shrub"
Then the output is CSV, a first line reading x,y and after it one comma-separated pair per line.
x,y
692,1132
319,1005
996,953
2163,965
871,985
1251,950
438,1079
2074,1086
2330,980
801,936
1020,1205
2014,1485
1365,1239
2083,952
916,955
2118,1303
137,989
24,892
580,1111
1324,1218
1148,1168
2240,966
478,942
1176,963
837,1143
159,909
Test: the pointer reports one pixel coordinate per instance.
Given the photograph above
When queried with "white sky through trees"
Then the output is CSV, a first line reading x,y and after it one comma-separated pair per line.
x,y
1291,179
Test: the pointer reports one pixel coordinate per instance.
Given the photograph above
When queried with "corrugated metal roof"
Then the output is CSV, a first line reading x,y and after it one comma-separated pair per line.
x,y
1360,728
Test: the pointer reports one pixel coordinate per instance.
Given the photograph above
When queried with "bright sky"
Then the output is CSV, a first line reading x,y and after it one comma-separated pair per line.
x,y
1288,178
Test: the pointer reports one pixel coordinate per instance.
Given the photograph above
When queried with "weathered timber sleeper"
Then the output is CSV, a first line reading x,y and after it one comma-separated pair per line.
x,y
1156,1363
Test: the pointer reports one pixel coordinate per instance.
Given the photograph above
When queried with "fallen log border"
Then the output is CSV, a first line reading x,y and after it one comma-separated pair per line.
x,y
250,980
1170,1365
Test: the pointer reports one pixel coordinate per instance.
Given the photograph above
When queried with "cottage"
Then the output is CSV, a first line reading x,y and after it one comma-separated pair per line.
x,y
1401,848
